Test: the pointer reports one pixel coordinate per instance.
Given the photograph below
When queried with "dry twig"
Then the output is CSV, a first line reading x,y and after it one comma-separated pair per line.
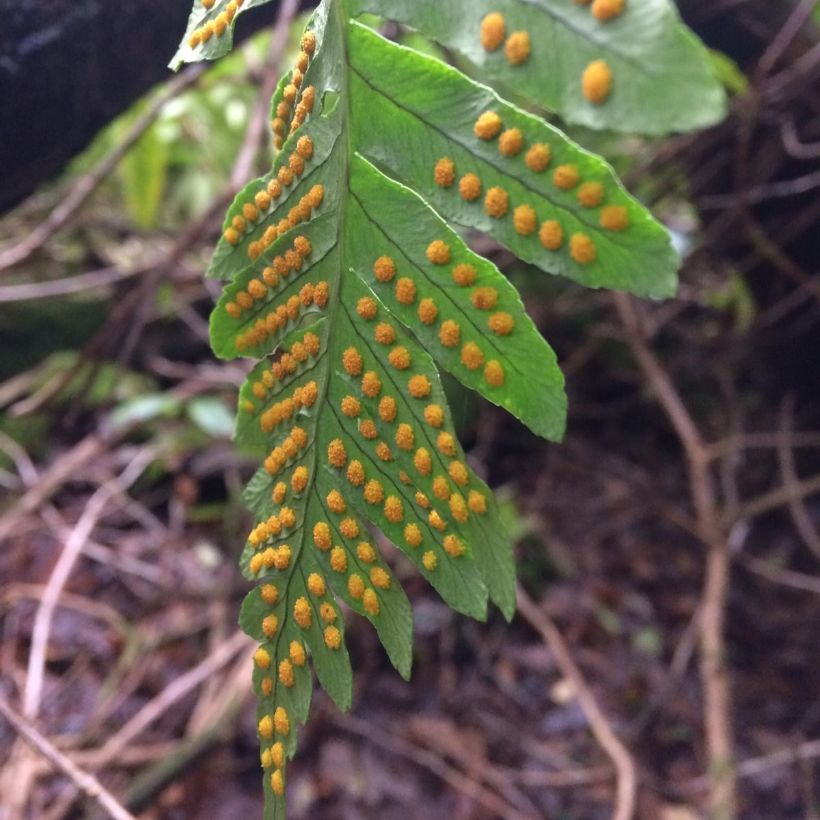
x,y
758,765
626,775
432,763
713,670
238,642
802,522
85,782
64,287
71,552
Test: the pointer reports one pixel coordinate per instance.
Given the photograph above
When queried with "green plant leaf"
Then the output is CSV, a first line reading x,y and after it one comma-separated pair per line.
x,y
349,284
144,174
211,416
209,33
661,75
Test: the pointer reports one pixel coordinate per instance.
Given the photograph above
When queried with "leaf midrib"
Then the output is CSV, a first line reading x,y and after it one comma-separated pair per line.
x,y
337,8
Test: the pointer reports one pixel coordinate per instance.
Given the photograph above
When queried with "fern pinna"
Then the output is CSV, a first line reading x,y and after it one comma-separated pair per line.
x,y
349,287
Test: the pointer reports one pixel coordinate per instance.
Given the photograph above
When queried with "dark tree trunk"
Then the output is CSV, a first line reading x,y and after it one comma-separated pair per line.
x,y
68,67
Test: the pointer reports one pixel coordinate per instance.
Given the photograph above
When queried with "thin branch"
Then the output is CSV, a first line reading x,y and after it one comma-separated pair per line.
x,y
799,70
779,575
25,466
72,550
665,390
89,183
730,445
782,189
790,29
714,673
681,657
793,145
808,750
85,782
65,287
432,763
569,779
777,498
238,642
626,776
63,469
802,522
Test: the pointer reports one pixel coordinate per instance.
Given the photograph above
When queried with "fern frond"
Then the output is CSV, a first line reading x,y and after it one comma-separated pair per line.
x,y
349,286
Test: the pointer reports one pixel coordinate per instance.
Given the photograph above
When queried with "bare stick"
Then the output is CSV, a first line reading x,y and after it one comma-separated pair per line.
x,y
238,642
66,467
792,27
89,183
625,773
64,287
25,466
794,147
759,441
432,763
713,670
777,498
802,521
72,550
758,765
85,782
784,577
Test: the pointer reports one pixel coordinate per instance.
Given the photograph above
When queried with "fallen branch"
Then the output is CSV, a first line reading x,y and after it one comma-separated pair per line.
x,y
85,782
712,621
184,684
625,773
72,550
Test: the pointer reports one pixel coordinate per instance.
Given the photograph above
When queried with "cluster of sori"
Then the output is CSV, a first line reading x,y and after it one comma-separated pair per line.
x,y
257,305
303,398
279,662
383,395
286,367
295,102
511,143
351,556
274,729
481,298
517,45
596,80
214,26
267,199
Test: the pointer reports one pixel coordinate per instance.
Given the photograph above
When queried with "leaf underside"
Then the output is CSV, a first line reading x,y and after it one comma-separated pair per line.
x,y
348,281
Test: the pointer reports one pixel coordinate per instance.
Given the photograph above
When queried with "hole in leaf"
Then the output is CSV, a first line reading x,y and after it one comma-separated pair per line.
x,y
330,99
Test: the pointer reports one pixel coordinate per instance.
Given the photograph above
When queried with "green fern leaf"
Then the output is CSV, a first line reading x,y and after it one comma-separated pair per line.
x,y
658,76
348,285
627,65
